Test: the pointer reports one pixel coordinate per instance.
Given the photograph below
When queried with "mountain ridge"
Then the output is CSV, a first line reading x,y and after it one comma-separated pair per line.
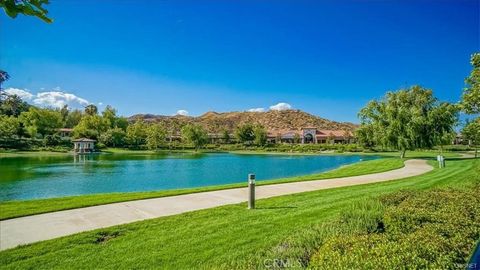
x,y
272,120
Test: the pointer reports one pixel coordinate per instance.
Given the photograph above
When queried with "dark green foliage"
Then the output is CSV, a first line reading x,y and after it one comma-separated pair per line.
x,y
12,105
407,119
26,7
471,94
245,134
437,229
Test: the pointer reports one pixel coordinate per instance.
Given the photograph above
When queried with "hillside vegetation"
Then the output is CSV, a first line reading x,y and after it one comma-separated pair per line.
x,y
271,120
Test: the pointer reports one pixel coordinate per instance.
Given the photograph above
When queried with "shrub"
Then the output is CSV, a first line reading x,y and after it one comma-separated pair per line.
x,y
435,229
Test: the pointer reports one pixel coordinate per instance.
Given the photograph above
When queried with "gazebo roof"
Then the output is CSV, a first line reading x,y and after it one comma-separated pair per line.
x,y
84,140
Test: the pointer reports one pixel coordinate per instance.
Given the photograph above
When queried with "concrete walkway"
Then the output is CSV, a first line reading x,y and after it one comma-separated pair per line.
x,y
24,230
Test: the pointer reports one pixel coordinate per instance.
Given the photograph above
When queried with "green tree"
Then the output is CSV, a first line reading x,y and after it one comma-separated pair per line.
x,y
156,135
260,134
471,94
13,105
64,112
41,121
121,122
73,118
91,109
9,127
442,120
136,133
226,136
195,135
26,7
245,134
471,132
404,120
110,115
90,126
113,137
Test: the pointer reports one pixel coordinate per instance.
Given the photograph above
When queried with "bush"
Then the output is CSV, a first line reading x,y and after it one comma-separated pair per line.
x,y
435,229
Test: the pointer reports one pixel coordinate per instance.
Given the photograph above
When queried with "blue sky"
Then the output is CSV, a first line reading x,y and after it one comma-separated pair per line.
x,y
325,57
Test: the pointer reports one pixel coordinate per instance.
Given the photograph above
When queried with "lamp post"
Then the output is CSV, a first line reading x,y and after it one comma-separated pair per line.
x,y
251,191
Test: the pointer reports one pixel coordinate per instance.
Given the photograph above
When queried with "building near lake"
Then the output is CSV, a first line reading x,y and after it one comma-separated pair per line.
x,y
83,146
311,135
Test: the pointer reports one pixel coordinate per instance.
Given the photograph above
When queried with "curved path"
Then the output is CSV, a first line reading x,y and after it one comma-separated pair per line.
x,y
24,230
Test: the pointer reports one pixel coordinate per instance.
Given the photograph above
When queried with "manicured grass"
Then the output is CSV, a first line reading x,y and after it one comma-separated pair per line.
x,y
228,237
30,207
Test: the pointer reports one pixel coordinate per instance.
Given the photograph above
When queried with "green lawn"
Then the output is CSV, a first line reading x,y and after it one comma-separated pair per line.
x,y
225,237
23,208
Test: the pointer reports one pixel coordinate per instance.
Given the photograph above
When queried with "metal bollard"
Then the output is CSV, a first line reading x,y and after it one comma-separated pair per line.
x,y
251,191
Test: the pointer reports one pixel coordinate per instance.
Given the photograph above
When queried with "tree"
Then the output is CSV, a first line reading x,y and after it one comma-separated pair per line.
x,y
471,94
136,133
41,121
245,134
471,132
260,134
442,120
73,118
9,127
90,126
13,105
91,109
406,120
113,137
156,135
121,122
110,115
226,136
26,7
64,112
195,135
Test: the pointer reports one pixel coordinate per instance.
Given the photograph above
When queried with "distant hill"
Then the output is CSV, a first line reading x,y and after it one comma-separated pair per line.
x,y
275,121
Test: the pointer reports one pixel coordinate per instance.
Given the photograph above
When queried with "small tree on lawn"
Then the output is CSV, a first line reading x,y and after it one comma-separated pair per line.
x,y
156,136
195,135
260,134
245,133
471,132
407,120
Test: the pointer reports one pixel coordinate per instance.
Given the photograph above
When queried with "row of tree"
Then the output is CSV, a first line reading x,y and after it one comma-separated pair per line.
x,y
19,120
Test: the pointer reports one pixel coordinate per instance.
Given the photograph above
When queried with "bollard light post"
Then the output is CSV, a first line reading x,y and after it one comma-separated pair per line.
x,y
251,191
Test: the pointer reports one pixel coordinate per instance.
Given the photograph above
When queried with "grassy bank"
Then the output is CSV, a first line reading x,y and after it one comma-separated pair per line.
x,y
224,237
23,208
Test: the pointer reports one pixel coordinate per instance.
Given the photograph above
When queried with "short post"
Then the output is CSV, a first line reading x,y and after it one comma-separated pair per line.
x,y
251,191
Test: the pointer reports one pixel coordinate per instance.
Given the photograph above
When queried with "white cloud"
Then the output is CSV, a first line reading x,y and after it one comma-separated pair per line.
x,y
100,103
282,106
59,99
56,98
256,110
182,112
23,94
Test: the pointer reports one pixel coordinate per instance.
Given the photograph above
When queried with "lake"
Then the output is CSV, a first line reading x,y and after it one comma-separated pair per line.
x,y
58,176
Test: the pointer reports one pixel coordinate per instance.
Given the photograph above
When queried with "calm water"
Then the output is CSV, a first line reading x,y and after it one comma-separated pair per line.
x,y
45,177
